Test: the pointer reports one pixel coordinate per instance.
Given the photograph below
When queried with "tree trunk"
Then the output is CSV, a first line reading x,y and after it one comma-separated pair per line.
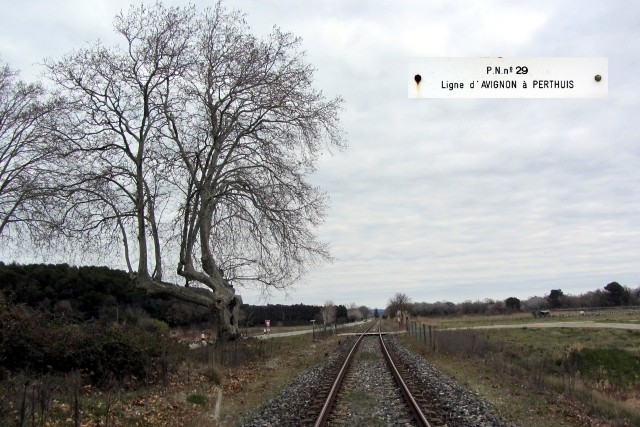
x,y
223,300
228,311
143,267
157,272
143,270
125,243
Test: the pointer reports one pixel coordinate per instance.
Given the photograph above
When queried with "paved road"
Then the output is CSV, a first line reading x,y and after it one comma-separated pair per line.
x,y
304,331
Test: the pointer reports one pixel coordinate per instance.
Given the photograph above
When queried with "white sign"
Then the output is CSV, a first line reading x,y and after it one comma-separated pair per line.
x,y
498,77
267,323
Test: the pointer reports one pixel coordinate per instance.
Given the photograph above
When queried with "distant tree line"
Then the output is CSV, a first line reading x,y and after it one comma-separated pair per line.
x,y
90,292
301,314
278,314
611,295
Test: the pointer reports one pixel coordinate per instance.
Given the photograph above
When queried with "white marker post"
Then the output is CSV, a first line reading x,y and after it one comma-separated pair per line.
x,y
498,77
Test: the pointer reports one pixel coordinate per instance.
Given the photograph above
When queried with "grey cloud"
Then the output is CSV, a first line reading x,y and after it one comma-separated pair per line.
x,y
455,199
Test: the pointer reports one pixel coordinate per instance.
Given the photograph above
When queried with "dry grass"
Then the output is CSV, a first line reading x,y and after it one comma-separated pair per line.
x,y
510,378
528,374
188,398
247,373
251,385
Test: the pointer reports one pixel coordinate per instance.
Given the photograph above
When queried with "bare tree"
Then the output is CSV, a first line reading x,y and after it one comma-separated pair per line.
x,y
401,303
26,166
198,135
364,310
248,132
354,314
116,98
328,311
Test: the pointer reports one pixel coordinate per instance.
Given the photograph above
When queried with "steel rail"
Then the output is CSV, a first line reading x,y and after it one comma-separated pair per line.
x,y
415,408
331,398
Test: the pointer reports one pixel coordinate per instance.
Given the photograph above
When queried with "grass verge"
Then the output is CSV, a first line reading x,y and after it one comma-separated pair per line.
x,y
545,377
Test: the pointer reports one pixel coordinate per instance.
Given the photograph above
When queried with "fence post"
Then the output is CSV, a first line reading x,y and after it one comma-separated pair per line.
x,y
435,337
424,334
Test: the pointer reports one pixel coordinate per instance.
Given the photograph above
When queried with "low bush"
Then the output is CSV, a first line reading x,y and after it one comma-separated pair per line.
x,y
617,366
197,399
32,342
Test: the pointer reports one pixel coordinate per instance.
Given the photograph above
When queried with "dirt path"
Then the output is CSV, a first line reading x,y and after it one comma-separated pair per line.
x,y
579,324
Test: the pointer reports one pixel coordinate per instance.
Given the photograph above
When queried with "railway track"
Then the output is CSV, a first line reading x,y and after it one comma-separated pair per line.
x,y
345,398
366,393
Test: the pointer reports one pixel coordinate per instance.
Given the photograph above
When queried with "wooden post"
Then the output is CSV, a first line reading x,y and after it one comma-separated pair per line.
x,y
435,337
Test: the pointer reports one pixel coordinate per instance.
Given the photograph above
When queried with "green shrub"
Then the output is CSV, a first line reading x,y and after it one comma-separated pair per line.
x,y
20,345
154,325
31,342
197,399
618,366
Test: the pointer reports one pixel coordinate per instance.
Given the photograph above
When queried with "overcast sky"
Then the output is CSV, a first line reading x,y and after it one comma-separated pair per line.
x,y
441,199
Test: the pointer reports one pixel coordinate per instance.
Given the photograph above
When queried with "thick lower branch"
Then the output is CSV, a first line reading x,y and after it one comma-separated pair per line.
x,y
192,295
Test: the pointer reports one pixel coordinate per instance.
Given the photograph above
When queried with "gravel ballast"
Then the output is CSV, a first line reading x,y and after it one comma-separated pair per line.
x,y
463,408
